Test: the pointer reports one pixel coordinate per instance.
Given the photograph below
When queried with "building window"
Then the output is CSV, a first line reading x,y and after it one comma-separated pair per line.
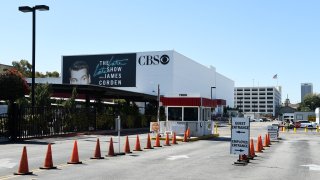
x,y
247,102
262,89
175,113
262,93
262,97
262,110
190,114
269,97
269,93
254,93
246,97
269,89
262,102
254,98
246,89
246,93
270,102
254,89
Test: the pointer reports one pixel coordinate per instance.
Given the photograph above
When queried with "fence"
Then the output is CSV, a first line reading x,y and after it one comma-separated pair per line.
x,y
3,125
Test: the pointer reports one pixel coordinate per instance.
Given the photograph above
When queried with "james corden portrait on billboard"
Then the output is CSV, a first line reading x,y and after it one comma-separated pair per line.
x,y
112,70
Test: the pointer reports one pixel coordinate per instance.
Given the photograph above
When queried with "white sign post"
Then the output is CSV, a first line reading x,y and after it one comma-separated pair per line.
x,y
240,134
273,132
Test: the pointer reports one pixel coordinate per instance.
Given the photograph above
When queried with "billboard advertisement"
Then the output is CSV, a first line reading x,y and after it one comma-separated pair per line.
x,y
110,70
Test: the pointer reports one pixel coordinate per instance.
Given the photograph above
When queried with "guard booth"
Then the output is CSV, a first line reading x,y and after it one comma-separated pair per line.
x,y
189,112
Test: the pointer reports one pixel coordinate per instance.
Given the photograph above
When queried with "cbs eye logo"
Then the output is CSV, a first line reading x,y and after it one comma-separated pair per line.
x,y
147,60
164,59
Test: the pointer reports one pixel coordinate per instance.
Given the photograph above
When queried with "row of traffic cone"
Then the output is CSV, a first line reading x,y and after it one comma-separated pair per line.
x,y
259,146
48,163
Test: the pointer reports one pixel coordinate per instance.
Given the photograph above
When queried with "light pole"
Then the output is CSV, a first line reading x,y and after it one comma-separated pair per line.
x,y
33,9
211,97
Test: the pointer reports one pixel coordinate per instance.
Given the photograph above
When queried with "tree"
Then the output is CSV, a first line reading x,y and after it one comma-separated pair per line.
x,y
13,85
42,95
310,102
25,68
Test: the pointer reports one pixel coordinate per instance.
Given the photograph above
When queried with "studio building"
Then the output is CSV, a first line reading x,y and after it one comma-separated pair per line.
x,y
189,91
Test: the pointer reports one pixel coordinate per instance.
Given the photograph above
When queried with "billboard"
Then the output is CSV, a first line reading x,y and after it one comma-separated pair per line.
x,y
110,70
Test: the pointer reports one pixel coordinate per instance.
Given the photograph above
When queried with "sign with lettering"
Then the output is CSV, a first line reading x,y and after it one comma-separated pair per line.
x,y
108,70
240,134
273,132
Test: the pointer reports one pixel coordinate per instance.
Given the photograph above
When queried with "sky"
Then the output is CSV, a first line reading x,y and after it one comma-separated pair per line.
x,y
249,41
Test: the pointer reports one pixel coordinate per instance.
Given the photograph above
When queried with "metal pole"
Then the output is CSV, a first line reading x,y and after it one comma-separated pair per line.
x,y
119,124
158,110
33,53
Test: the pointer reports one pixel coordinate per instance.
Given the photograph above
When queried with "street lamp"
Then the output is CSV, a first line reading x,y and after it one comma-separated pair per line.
x,y
26,9
211,97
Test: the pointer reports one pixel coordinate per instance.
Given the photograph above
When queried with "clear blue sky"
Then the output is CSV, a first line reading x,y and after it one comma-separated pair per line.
x,y
243,39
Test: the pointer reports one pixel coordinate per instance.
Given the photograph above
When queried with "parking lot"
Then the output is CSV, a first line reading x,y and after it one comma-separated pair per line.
x,y
293,157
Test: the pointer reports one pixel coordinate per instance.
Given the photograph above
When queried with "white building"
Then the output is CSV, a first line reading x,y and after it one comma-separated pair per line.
x,y
257,100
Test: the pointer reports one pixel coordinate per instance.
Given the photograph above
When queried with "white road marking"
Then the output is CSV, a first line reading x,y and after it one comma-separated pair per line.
x,y
5,163
312,167
178,157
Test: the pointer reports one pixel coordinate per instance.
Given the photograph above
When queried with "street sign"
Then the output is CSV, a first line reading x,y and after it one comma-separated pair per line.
x,y
273,132
240,134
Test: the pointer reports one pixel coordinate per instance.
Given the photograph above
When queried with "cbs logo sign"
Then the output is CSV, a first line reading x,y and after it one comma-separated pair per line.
x,y
153,60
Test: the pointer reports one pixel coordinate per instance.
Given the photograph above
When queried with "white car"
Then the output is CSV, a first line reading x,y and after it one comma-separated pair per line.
x,y
305,123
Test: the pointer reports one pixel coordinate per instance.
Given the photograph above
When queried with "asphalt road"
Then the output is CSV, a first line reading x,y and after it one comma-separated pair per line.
x,y
295,156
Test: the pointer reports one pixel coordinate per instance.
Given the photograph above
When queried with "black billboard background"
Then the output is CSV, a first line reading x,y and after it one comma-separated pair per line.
x,y
111,70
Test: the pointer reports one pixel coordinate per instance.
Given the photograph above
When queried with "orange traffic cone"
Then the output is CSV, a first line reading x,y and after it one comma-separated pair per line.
x,y
75,156
266,144
127,146
188,133
167,143
48,163
111,150
137,147
261,145
185,138
174,139
148,143
157,143
97,152
24,167
269,142
252,153
258,148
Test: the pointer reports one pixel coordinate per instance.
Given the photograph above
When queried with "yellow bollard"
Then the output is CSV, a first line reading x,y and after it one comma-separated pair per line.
x,y
317,130
306,129
216,129
283,129
294,130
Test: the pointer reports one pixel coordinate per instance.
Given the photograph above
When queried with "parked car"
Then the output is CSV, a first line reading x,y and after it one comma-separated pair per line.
x,y
305,123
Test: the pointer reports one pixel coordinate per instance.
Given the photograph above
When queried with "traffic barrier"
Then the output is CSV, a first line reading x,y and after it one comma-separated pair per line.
x,y
23,167
185,138
167,143
157,143
97,152
48,163
265,143
174,139
111,149
75,155
148,143
137,147
127,146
